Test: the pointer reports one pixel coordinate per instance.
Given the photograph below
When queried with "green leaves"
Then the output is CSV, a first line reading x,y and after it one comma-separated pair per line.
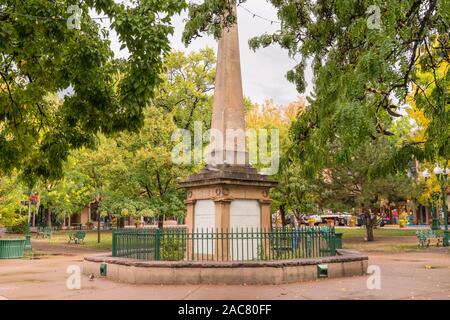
x,y
367,70
186,91
12,192
40,58
210,17
138,177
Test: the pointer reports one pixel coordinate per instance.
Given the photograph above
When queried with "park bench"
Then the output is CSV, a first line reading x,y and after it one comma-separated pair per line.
x,y
426,236
77,237
44,232
325,247
290,242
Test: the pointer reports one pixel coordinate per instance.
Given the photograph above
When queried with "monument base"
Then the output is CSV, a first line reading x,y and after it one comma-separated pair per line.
x,y
345,264
228,197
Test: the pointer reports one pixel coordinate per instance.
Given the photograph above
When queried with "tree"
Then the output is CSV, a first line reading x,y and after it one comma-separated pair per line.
x,y
363,56
424,127
358,184
95,166
131,174
142,179
40,56
65,197
363,73
186,90
291,194
12,192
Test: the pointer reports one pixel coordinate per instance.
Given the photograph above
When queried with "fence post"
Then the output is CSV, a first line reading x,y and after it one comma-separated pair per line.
x,y
332,241
114,243
157,244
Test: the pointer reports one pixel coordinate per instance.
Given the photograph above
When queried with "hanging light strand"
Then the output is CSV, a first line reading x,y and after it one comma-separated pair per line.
x,y
255,15
44,18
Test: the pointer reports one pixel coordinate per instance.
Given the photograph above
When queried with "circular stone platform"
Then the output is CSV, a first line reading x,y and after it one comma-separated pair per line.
x,y
345,264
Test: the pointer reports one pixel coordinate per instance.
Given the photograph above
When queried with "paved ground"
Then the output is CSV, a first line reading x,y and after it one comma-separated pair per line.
x,y
414,275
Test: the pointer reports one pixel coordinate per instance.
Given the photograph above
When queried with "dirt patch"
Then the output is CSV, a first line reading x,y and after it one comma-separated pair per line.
x,y
384,244
62,249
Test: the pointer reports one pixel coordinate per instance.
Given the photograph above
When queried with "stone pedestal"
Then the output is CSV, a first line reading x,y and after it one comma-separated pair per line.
x,y
228,197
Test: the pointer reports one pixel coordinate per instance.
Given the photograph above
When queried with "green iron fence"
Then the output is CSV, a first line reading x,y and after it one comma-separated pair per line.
x,y
245,244
11,248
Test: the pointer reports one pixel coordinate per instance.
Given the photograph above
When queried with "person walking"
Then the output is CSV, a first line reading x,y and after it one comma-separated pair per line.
x,y
395,216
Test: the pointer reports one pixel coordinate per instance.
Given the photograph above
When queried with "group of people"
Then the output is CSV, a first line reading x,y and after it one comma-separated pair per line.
x,y
384,218
394,217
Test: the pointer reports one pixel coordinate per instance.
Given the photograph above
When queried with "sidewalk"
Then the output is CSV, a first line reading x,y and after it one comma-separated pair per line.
x,y
414,275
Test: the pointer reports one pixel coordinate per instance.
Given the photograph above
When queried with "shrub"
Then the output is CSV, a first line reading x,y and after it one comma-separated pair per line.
x,y
172,248
20,228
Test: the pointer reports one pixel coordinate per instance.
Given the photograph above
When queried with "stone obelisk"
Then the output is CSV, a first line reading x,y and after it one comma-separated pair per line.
x,y
229,192
228,118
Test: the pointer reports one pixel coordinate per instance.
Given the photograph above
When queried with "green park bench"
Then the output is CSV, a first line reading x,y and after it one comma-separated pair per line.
x,y
77,237
426,236
44,232
315,241
280,242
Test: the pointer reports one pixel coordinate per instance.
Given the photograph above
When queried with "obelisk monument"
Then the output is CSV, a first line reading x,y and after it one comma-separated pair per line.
x,y
228,193
228,118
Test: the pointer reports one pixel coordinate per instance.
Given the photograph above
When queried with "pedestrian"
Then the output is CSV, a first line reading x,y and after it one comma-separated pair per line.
x,y
395,216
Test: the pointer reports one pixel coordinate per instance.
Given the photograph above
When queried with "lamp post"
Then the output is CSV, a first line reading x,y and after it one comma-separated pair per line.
x,y
28,235
33,199
442,175
434,200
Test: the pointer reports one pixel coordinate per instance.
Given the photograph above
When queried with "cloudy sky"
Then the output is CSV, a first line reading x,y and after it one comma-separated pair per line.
x,y
263,71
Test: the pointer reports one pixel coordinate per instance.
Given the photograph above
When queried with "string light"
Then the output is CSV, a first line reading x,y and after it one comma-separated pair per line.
x,y
46,18
255,15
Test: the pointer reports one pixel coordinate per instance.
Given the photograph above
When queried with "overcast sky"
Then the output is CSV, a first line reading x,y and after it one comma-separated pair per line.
x,y
263,71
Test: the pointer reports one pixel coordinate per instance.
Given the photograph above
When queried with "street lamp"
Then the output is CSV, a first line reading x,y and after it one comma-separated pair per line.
x,y
33,199
28,235
434,200
442,175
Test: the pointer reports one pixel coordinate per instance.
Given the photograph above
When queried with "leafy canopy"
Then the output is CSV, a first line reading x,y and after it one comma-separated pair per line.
x,y
362,73
40,57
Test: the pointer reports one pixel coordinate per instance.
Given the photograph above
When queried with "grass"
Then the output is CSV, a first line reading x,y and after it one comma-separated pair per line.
x,y
387,247
12,236
386,240
394,240
90,241
379,232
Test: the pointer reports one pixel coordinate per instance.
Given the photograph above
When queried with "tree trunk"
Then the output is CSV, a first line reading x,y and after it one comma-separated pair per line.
x,y
283,215
298,218
49,218
369,221
161,221
370,236
93,211
121,222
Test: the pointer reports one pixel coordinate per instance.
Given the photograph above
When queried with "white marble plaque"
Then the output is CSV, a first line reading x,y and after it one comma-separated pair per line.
x,y
245,215
204,225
